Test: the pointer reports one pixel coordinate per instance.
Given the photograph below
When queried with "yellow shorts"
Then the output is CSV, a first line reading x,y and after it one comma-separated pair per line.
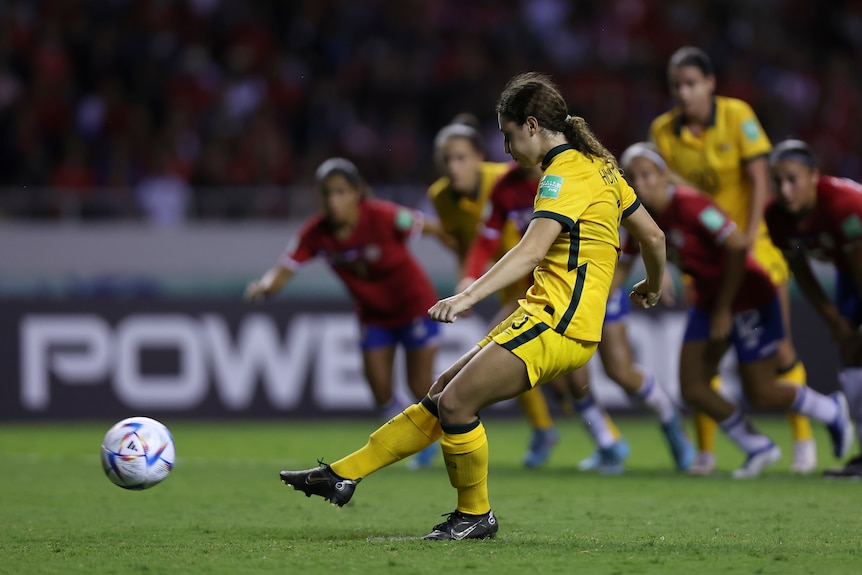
x,y
546,353
772,260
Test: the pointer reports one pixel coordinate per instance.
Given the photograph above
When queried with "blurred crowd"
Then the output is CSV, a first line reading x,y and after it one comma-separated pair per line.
x,y
222,108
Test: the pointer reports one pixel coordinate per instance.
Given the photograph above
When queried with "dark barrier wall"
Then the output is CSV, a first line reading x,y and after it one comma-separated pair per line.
x,y
111,359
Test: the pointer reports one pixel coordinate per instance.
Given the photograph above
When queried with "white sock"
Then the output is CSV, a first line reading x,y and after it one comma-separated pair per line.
x,y
654,397
815,405
742,433
595,420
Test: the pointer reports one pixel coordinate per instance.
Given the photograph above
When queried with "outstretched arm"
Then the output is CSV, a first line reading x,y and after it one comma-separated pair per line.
x,y
270,284
512,267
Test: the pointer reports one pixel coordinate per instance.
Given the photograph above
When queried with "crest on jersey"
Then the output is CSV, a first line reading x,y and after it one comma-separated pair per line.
x,y
550,187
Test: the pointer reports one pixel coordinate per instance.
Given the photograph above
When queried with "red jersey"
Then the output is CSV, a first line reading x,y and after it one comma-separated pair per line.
x,y
695,228
388,285
829,231
511,200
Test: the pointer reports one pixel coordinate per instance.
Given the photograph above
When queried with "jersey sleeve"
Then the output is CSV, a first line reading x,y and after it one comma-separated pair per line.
x,y
629,201
848,213
710,219
403,221
751,138
442,206
301,248
562,199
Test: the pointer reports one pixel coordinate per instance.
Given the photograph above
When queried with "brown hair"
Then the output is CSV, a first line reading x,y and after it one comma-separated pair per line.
x,y
534,94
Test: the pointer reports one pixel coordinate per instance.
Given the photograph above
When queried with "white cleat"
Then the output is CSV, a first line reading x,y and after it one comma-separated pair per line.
x,y
703,464
804,457
757,462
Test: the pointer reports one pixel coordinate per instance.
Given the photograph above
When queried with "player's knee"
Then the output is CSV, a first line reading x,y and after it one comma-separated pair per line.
x,y
450,409
761,399
695,394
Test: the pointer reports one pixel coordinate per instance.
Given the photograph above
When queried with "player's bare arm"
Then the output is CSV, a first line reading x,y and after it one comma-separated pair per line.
x,y
642,227
518,262
757,171
735,248
270,284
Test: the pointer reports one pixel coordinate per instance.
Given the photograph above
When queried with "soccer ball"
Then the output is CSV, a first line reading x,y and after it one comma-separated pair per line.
x,y
138,453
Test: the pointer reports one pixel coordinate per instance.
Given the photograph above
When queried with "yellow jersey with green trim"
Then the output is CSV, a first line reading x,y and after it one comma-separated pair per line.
x,y
589,198
460,215
714,161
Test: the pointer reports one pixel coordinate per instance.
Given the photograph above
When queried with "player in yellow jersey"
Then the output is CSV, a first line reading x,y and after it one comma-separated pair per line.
x,y
461,198
718,145
571,246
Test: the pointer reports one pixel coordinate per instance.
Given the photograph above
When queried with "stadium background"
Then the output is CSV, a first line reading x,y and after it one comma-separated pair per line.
x,y
155,156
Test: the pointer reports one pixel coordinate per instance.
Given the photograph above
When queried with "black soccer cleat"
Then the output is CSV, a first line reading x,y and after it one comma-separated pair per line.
x,y
852,470
463,526
321,481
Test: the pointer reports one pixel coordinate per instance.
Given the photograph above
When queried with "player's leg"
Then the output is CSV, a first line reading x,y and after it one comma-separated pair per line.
x,y
699,359
378,356
756,332
420,343
520,353
618,361
705,431
850,374
412,430
611,447
535,407
790,369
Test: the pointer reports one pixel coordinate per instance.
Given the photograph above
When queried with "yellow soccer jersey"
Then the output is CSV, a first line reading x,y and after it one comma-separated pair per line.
x,y
571,284
713,162
461,215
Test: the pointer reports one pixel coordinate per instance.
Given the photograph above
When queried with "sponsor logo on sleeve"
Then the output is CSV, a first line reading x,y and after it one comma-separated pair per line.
x,y
712,219
751,129
404,219
851,227
550,187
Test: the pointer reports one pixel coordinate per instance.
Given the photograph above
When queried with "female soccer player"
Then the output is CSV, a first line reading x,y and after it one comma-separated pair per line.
x,y
821,216
512,203
460,198
735,304
365,242
571,245
717,144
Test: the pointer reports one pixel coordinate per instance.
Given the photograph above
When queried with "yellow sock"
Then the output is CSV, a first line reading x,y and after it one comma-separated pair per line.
x,y
466,456
536,409
407,433
800,426
612,427
705,427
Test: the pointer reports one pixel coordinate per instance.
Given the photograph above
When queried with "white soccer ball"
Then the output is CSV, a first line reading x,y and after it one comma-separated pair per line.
x,y
138,453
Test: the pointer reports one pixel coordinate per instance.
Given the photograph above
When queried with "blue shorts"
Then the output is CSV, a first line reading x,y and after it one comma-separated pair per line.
x,y
755,334
618,306
847,298
420,332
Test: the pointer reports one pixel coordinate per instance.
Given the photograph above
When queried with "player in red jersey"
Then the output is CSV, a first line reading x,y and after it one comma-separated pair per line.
x,y
364,240
512,202
821,216
735,304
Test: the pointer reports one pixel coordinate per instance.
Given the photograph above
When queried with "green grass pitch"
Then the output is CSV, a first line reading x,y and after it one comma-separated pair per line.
x,y
223,509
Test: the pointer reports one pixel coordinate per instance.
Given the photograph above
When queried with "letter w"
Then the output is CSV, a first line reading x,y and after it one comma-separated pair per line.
x,y
260,354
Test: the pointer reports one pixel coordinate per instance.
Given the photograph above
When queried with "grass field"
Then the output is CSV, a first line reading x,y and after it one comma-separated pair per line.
x,y
223,509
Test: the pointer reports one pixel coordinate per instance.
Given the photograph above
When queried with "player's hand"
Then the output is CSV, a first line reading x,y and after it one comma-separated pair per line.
x,y
643,297
720,324
447,310
256,291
